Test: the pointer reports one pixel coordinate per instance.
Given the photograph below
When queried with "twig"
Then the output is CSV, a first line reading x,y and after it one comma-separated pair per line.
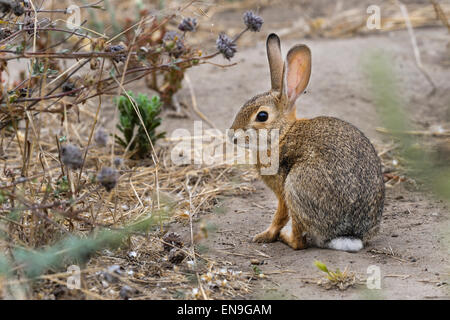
x,y
194,102
416,50
414,132
440,14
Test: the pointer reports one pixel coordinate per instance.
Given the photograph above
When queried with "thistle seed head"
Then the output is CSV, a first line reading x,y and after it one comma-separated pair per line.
x,y
176,256
226,46
174,44
118,161
118,48
172,239
188,24
5,33
71,156
18,9
12,6
252,21
67,87
108,177
101,137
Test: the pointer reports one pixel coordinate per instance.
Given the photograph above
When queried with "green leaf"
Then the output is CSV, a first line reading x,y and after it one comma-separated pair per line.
x,y
256,270
120,141
321,266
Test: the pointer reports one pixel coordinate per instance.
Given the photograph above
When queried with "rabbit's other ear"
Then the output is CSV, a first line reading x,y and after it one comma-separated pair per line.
x,y
296,73
275,61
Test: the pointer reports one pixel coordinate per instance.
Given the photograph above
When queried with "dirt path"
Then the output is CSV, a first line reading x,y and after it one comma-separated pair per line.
x,y
415,226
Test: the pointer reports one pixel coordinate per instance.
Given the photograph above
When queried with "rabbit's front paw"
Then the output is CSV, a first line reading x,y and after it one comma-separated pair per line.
x,y
266,236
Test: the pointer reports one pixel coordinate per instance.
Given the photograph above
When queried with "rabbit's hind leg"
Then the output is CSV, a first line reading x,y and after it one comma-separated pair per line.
x,y
296,238
279,220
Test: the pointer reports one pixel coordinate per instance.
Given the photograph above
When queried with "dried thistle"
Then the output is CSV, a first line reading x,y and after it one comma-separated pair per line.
x,y
101,137
176,256
5,33
12,6
18,9
188,24
174,44
118,161
71,156
226,46
67,87
117,49
29,24
172,239
108,178
252,21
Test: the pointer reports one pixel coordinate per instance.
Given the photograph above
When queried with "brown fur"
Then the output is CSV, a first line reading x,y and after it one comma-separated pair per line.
x,y
329,180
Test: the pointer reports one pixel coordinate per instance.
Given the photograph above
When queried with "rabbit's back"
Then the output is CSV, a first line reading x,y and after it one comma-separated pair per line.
x,y
333,181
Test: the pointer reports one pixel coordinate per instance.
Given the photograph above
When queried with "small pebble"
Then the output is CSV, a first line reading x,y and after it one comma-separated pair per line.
x,y
115,268
255,262
190,264
126,292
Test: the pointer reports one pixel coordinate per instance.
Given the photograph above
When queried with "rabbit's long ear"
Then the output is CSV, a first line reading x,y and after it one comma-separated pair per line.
x,y
275,61
296,73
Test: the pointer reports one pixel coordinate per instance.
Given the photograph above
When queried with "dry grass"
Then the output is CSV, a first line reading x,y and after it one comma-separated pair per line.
x,y
143,189
143,271
350,22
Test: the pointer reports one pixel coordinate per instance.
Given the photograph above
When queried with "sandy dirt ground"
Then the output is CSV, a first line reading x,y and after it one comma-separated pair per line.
x,y
412,249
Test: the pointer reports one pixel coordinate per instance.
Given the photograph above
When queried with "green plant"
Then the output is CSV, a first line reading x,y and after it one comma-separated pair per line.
x,y
62,186
340,279
257,271
141,113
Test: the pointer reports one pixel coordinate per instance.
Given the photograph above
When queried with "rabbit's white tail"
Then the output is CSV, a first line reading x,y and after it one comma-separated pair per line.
x,y
345,244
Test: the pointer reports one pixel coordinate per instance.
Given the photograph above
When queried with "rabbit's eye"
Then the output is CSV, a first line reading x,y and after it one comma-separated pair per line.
x,y
262,116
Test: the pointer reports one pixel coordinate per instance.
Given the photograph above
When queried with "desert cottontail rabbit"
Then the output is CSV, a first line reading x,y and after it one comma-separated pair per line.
x,y
329,180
